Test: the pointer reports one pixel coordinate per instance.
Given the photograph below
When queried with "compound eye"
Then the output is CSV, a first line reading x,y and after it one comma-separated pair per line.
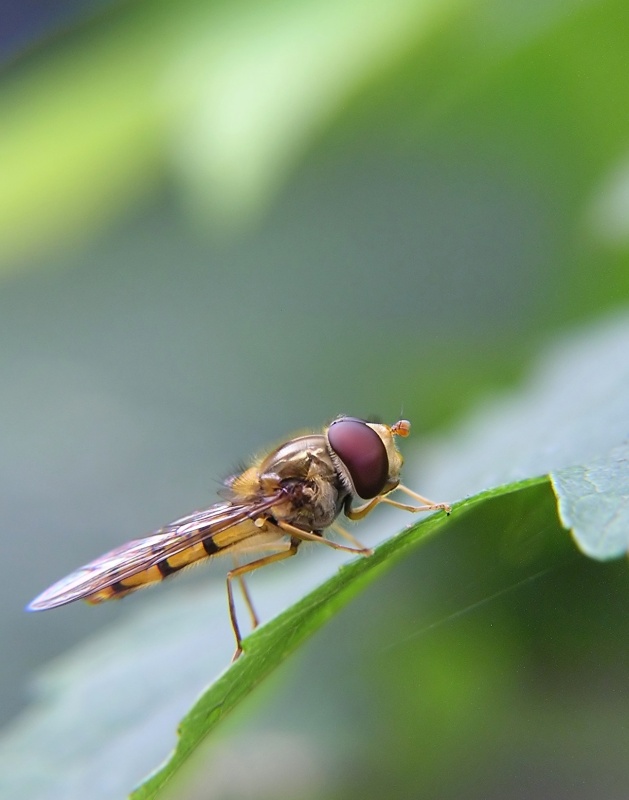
x,y
363,454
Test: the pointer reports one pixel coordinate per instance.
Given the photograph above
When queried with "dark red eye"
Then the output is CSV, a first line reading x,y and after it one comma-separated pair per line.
x,y
362,452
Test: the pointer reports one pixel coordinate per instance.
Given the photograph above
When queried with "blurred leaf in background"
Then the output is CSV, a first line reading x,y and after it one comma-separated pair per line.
x,y
223,221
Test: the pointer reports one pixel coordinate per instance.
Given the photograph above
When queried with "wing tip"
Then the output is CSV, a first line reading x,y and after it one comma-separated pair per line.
x,y
44,601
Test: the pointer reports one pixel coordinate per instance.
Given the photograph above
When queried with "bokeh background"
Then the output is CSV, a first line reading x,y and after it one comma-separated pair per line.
x,y
220,222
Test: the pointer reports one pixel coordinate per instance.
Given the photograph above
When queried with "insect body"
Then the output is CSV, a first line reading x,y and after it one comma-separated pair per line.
x,y
289,496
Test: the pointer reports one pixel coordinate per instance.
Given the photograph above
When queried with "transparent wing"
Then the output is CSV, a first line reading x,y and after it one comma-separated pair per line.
x,y
141,554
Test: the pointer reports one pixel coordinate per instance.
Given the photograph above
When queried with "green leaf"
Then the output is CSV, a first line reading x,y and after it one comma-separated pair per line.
x,y
570,421
114,699
594,503
572,409
271,644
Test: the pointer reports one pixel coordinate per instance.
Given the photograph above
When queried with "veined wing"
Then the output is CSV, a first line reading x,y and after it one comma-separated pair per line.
x,y
140,555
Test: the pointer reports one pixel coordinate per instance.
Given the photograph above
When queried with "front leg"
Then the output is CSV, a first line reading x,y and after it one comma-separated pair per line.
x,y
361,511
427,505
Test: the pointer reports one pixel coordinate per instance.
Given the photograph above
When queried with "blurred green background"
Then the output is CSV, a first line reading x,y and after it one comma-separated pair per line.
x,y
220,222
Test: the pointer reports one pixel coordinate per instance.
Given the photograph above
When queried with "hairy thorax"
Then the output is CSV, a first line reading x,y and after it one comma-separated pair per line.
x,y
312,494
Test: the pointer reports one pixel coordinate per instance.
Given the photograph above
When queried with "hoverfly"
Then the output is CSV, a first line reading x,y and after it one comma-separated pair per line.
x,y
285,498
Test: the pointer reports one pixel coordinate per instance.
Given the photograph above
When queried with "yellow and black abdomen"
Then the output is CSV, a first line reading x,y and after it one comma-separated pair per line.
x,y
146,577
246,536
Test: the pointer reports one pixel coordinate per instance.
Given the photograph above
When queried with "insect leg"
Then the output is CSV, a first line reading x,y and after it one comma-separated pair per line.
x,y
347,535
361,511
247,598
308,536
412,509
427,504
238,572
